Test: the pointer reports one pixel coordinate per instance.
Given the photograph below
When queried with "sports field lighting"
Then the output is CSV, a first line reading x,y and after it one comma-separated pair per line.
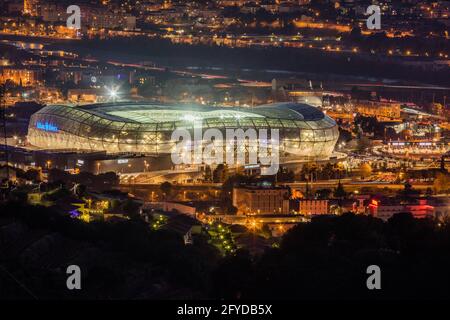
x,y
113,93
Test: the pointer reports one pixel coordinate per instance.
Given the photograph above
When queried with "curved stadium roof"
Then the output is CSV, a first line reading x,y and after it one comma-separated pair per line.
x,y
147,128
158,113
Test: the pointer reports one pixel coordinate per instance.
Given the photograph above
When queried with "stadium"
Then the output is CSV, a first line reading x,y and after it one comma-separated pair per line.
x,y
305,132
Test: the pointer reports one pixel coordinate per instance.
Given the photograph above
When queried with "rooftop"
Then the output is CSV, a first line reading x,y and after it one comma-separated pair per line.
x,y
158,113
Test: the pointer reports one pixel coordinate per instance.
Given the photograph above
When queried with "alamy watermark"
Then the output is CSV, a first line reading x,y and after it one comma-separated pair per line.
x,y
74,279
237,148
374,280
74,20
373,22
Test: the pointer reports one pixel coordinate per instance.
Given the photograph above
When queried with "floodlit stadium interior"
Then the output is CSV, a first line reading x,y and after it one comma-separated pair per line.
x,y
305,132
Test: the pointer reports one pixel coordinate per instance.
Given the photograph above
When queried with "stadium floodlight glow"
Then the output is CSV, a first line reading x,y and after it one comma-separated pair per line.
x,y
190,117
113,93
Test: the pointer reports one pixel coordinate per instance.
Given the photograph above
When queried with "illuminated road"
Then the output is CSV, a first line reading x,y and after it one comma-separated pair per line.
x,y
382,85
322,184
356,185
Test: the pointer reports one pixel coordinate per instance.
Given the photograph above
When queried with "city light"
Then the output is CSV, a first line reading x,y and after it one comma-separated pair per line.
x,y
113,93
224,150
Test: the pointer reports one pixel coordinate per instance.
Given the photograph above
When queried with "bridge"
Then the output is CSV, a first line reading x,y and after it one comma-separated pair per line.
x,y
155,177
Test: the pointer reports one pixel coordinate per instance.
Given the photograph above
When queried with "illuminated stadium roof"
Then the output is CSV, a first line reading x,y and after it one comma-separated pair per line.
x,y
155,113
305,131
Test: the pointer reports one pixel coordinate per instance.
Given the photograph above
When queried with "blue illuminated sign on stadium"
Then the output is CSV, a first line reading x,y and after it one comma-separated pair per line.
x,y
46,126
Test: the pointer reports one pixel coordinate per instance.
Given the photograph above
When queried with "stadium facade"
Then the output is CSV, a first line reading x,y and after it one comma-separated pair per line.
x,y
305,132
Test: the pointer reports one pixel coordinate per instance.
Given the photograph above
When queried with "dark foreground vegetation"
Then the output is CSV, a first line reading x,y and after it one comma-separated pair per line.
x,y
325,259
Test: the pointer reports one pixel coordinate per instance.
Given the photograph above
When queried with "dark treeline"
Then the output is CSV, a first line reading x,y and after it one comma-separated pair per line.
x,y
324,259
103,181
291,59
328,259
117,260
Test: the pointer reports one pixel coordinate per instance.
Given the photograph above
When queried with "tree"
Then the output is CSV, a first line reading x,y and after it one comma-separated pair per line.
x,y
131,207
323,193
228,207
339,192
326,171
220,173
33,175
308,191
208,174
231,276
58,175
366,170
408,191
285,175
166,188
225,173
265,231
236,180
442,183
80,191
305,173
